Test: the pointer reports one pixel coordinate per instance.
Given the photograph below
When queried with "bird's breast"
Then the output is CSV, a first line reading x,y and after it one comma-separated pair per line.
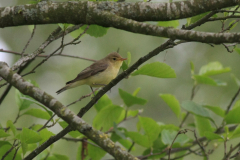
x,y
103,78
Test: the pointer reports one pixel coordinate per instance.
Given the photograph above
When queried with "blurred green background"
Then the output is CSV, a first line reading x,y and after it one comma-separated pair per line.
x,y
54,73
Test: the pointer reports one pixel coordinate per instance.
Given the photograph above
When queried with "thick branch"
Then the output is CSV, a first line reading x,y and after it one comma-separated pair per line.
x,y
77,12
121,16
167,32
98,137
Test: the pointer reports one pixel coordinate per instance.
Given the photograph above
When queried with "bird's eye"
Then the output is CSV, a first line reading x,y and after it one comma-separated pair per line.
x,y
114,59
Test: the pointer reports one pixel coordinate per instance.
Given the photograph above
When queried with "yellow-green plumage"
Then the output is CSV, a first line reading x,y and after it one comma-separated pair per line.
x,y
98,74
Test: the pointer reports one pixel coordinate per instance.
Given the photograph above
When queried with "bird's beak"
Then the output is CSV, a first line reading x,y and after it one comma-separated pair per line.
x,y
123,59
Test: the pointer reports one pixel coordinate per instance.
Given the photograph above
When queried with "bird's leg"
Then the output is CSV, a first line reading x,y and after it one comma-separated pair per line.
x,y
101,85
92,91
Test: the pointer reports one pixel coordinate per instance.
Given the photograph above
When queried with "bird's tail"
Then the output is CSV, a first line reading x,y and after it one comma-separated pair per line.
x,y
62,89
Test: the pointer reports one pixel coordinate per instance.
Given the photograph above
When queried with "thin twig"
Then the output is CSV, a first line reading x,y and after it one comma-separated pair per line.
x,y
170,148
230,26
199,143
45,125
226,46
13,146
131,147
231,150
235,155
221,11
222,18
15,153
225,148
188,113
231,102
28,41
60,47
44,56
48,154
82,98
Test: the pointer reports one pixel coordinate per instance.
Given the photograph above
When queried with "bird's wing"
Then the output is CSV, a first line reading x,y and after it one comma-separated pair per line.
x,y
90,71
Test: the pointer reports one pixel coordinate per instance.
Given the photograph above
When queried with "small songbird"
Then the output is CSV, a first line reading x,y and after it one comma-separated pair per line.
x,y
98,74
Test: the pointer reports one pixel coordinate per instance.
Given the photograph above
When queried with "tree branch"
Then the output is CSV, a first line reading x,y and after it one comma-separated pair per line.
x,y
78,12
121,16
75,122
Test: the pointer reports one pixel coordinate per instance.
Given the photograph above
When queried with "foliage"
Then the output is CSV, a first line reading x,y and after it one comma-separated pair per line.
x,y
149,133
200,127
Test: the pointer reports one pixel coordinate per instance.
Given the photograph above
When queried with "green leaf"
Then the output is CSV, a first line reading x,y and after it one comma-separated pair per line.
x,y
39,104
136,91
73,134
3,134
153,154
213,68
128,58
158,144
211,136
107,116
203,125
235,133
124,66
4,143
233,116
192,68
209,81
196,18
29,136
64,26
125,142
139,138
172,102
95,30
31,27
22,103
169,135
237,50
237,104
37,113
174,23
45,134
5,147
24,147
217,110
61,157
237,81
196,109
226,129
77,32
118,132
180,155
20,98
133,113
103,102
234,25
95,153
169,127
130,100
156,69
12,127
150,127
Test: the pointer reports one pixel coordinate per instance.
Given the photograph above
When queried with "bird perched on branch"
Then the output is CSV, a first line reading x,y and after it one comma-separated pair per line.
x,y
98,74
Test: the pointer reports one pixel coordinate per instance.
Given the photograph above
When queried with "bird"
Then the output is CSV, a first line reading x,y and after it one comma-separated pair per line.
x,y
99,74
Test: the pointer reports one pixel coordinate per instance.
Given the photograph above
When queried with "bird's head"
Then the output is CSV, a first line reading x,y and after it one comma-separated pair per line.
x,y
115,59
